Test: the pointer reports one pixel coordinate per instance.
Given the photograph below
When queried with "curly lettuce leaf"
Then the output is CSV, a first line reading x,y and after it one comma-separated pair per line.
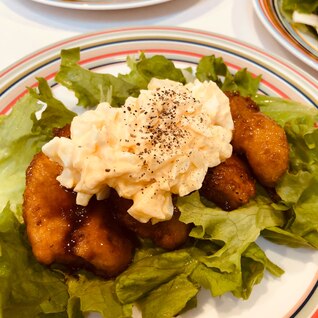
x,y
144,69
254,262
231,261
216,282
18,145
27,289
305,222
304,6
233,231
169,299
211,68
283,237
239,282
21,136
159,281
283,110
289,8
92,88
182,273
56,114
89,293
150,272
167,283
298,187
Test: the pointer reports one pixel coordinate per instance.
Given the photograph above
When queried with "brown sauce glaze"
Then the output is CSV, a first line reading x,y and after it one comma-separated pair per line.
x,y
54,221
169,234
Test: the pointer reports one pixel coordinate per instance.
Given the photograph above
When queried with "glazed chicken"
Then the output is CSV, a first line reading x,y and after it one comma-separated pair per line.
x,y
47,212
260,139
63,232
169,234
264,144
230,184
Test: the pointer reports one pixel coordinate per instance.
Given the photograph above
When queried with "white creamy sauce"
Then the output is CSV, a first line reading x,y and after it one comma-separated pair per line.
x,y
156,145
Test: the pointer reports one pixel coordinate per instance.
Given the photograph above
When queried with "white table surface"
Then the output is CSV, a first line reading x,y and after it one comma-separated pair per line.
x,y
27,26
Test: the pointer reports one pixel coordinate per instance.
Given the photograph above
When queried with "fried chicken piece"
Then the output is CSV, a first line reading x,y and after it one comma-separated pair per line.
x,y
63,232
101,241
230,184
260,138
169,234
45,211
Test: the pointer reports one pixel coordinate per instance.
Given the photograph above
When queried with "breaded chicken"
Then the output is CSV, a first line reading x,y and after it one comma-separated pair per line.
x,y
260,138
230,184
101,241
169,234
47,211
63,232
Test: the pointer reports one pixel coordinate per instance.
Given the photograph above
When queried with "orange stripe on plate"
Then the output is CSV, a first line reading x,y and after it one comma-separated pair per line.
x,y
303,298
268,9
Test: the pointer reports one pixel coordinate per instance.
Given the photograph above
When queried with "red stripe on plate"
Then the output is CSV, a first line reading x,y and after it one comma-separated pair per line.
x,y
178,52
13,102
268,10
125,53
193,31
128,52
303,297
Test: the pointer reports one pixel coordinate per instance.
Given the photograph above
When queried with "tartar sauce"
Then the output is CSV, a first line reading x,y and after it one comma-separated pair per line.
x,y
156,145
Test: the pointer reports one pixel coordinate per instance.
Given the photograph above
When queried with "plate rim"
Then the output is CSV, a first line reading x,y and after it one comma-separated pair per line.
x,y
99,5
282,35
293,31
304,82
55,48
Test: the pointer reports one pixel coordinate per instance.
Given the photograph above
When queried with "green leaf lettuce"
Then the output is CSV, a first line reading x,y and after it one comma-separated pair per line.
x,y
27,288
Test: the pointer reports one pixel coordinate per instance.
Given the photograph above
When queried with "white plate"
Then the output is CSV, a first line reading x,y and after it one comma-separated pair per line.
x,y
295,294
100,4
301,45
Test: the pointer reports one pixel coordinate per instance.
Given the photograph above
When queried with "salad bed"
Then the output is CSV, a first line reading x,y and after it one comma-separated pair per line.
x,y
303,14
221,255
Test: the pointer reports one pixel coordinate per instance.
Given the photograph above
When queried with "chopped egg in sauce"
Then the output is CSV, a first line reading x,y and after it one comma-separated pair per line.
x,y
156,145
